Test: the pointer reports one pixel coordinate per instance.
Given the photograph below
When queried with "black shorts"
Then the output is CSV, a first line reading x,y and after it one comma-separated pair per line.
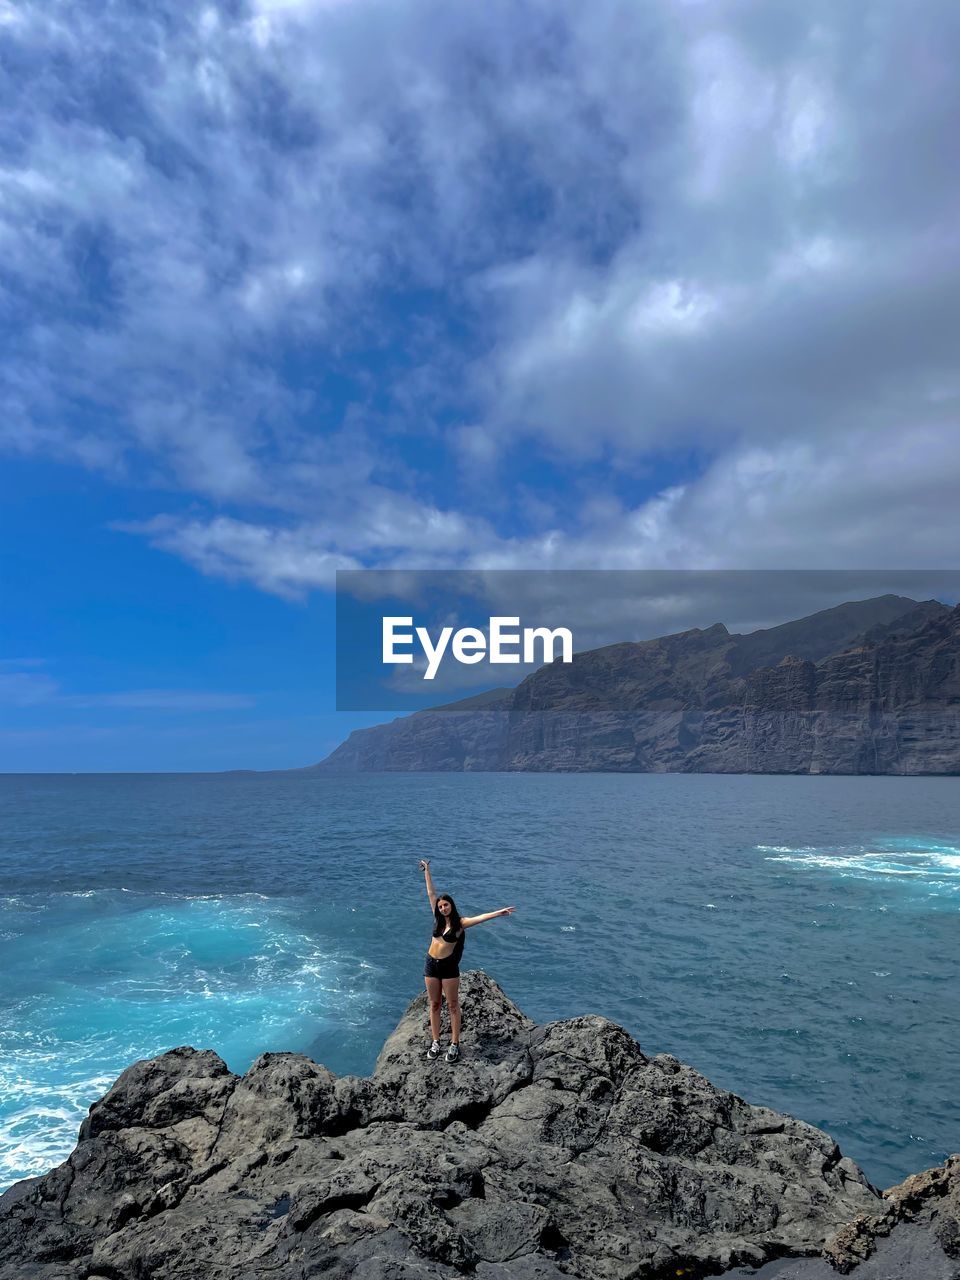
x,y
446,968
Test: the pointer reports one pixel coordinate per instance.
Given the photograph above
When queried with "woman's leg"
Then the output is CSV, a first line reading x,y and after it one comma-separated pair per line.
x,y
435,996
451,993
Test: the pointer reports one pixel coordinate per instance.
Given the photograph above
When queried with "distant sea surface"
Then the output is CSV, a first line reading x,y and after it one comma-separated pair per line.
x,y
796,939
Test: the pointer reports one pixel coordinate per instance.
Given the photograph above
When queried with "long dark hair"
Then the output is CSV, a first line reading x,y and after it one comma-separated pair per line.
x,y
442,923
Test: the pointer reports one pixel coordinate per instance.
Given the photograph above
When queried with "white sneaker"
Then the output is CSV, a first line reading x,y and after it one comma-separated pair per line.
x,y
433,1053
453,1053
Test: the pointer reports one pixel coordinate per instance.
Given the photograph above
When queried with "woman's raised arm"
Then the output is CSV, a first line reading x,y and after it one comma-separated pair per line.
x,y
431,891
467,921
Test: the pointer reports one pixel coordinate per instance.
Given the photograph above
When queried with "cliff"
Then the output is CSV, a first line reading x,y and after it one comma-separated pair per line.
x,y
869,687
548,1151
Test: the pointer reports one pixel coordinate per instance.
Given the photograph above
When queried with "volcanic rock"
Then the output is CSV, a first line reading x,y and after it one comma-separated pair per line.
x,y
547,1151
914,1236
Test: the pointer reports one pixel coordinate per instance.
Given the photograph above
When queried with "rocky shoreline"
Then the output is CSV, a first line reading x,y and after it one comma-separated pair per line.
x,y
549,1151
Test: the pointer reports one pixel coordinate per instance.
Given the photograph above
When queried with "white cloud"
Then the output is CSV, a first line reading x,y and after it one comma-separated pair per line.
x,y
793,505
610,232
291,560
283,562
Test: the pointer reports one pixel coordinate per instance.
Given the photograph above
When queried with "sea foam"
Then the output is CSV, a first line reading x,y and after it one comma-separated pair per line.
x,y
112,983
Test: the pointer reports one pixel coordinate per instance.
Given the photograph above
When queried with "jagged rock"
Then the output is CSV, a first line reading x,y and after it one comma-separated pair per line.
x,y
546,1151
930,1200
868,687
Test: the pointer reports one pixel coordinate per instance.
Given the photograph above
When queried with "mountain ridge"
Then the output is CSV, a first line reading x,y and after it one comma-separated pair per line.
x,y
708,700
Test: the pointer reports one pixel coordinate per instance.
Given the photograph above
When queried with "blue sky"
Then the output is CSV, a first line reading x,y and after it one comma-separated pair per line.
x,y
293,285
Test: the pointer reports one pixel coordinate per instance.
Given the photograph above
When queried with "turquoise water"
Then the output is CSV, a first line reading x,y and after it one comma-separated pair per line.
x,y
794,938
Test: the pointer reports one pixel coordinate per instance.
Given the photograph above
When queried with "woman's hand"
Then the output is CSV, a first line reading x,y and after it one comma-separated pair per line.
x,y
506,911
424,864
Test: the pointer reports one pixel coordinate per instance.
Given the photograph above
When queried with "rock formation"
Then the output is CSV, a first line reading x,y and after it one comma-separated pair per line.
x,y
548,1151
871,687
914,1236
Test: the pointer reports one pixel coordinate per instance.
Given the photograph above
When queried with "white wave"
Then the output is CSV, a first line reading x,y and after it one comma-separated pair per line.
x,y
42,1129
937,866
188,969
784,848
23,903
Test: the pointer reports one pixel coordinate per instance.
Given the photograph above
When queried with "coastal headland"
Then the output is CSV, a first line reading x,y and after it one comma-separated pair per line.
x,y
549,1151
867,687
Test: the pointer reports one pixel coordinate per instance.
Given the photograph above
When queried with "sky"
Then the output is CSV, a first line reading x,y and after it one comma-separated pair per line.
x,y
288,286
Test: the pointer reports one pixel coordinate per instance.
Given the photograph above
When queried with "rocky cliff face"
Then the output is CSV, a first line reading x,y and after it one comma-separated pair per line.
x,y
885,698
548,1151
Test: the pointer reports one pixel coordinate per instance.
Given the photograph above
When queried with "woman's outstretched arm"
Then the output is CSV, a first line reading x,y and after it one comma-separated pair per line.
x,y
431,891
467,921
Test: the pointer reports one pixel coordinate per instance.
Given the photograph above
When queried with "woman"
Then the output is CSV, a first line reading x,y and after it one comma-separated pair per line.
x,y
441,973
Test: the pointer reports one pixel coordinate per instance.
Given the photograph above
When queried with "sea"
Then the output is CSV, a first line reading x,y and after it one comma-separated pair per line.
x,y
793,938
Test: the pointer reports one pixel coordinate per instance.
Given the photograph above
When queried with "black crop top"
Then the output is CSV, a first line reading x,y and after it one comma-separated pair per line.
x,y
444,936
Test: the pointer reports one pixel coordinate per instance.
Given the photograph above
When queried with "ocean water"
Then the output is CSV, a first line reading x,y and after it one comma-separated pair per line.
x,y
796,939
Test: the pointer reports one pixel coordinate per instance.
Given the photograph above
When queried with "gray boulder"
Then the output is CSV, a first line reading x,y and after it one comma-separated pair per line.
x,y
547,1151
915,1235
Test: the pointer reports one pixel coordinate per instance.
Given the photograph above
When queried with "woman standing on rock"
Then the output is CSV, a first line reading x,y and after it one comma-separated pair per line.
x,y
441,972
